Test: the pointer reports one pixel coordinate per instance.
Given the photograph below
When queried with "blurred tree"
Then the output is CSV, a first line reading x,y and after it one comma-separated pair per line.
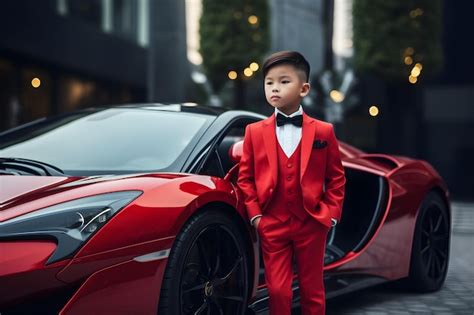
x,y
397,44
391,37
233,34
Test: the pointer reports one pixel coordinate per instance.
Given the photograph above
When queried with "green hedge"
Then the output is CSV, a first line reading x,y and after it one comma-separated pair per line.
x,y
228,41
388,31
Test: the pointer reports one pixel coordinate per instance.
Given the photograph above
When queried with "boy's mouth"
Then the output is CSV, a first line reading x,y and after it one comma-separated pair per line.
x,y
274,98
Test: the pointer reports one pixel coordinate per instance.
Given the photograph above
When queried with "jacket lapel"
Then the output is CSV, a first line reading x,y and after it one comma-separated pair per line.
x,y
307,137
270,141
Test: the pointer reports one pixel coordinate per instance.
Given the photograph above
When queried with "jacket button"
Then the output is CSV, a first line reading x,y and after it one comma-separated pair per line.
x,y
271,190
289,165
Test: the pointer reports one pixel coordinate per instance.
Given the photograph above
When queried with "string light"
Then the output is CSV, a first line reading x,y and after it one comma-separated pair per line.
x,y
35,82
232,75
254,66
373,110
409,51
416,12
253,19
408,60
415,71
412,79
336,96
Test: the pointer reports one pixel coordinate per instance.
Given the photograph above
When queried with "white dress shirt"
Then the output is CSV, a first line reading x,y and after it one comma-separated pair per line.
x,y
288,137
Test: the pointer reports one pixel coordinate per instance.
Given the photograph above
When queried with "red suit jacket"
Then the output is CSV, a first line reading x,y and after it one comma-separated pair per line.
x,y
320,166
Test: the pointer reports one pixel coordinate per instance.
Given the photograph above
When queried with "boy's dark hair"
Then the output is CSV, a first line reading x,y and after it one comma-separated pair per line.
x,y
293,58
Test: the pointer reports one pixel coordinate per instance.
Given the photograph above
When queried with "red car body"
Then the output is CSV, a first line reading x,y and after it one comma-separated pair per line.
x,y
112,271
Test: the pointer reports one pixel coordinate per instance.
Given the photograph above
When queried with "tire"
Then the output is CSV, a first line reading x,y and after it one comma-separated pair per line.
x,y
207,271
431,246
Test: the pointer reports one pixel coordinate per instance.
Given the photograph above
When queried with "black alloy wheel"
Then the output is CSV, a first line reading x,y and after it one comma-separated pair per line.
x,y
207,269
431,246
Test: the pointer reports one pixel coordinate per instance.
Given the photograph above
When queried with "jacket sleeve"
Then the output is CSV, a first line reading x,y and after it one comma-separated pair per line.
x,y
335,179
246,178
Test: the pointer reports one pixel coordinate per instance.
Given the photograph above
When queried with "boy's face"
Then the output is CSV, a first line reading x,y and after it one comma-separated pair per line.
x,y
285,87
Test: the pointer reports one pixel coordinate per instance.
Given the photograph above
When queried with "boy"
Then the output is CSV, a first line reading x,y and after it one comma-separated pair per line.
x,y
287,158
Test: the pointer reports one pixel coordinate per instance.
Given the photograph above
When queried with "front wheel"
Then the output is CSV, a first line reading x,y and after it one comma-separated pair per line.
x,y
431,243
207,269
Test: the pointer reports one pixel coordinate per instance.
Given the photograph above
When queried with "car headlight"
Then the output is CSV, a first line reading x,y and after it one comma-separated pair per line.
x,y
70,223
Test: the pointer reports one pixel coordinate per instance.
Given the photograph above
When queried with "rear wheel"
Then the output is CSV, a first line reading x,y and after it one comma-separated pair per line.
x,y
207,269
431,243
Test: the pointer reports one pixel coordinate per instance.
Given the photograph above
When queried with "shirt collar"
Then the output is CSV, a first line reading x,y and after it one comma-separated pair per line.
x,y
298,112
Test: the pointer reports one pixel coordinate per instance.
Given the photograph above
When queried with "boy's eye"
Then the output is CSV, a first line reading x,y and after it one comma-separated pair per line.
x,y
285,81
269,83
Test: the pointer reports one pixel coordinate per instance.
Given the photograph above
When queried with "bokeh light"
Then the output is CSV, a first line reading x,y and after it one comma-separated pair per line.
x,y
232,75
35,82
254,66
373,110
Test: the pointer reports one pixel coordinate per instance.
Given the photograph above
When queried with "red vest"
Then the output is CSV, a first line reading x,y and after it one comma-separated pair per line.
x,y
287,199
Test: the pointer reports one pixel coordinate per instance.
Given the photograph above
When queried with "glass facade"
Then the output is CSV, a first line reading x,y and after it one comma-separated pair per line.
x,y
32,86
9,103
31,92
63,55
125,18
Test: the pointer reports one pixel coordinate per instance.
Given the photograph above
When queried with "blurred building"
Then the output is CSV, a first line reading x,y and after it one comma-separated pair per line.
x,y
60,55
448,107
299,25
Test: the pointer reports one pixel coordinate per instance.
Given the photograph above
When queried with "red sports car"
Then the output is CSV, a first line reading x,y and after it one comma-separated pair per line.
x,y
134,210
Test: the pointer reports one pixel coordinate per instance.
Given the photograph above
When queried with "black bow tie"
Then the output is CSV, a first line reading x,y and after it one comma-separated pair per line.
x,y
295,120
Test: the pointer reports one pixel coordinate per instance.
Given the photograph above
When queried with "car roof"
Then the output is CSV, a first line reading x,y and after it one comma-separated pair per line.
x,y
223,114
177,107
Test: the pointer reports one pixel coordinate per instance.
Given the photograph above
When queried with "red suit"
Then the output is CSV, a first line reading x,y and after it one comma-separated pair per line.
x,y
288,192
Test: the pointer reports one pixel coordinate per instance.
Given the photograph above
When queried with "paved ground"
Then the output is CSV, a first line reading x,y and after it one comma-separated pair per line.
x,y
456,296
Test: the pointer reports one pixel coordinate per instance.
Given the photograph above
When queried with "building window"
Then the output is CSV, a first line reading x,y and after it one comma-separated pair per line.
x,y
10,108
35,93
128,19
125,18
89,11
143,22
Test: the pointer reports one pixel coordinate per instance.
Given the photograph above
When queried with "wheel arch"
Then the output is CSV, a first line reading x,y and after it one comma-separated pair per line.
x,y
441,192
437,191
244,230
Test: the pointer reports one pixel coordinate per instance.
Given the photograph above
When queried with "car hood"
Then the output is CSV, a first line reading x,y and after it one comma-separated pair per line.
x,y
23,194
13,187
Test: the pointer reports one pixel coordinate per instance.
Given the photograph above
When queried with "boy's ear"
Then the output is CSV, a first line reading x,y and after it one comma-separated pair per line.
x,y
305,89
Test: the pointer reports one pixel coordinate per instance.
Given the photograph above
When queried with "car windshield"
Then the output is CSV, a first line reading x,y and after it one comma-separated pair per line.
x,y
114,140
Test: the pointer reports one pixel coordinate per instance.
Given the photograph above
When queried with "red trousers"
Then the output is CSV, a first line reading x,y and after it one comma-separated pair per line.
x,y
306,240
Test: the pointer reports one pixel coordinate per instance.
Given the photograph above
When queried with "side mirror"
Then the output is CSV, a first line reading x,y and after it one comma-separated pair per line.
x,y
235,151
